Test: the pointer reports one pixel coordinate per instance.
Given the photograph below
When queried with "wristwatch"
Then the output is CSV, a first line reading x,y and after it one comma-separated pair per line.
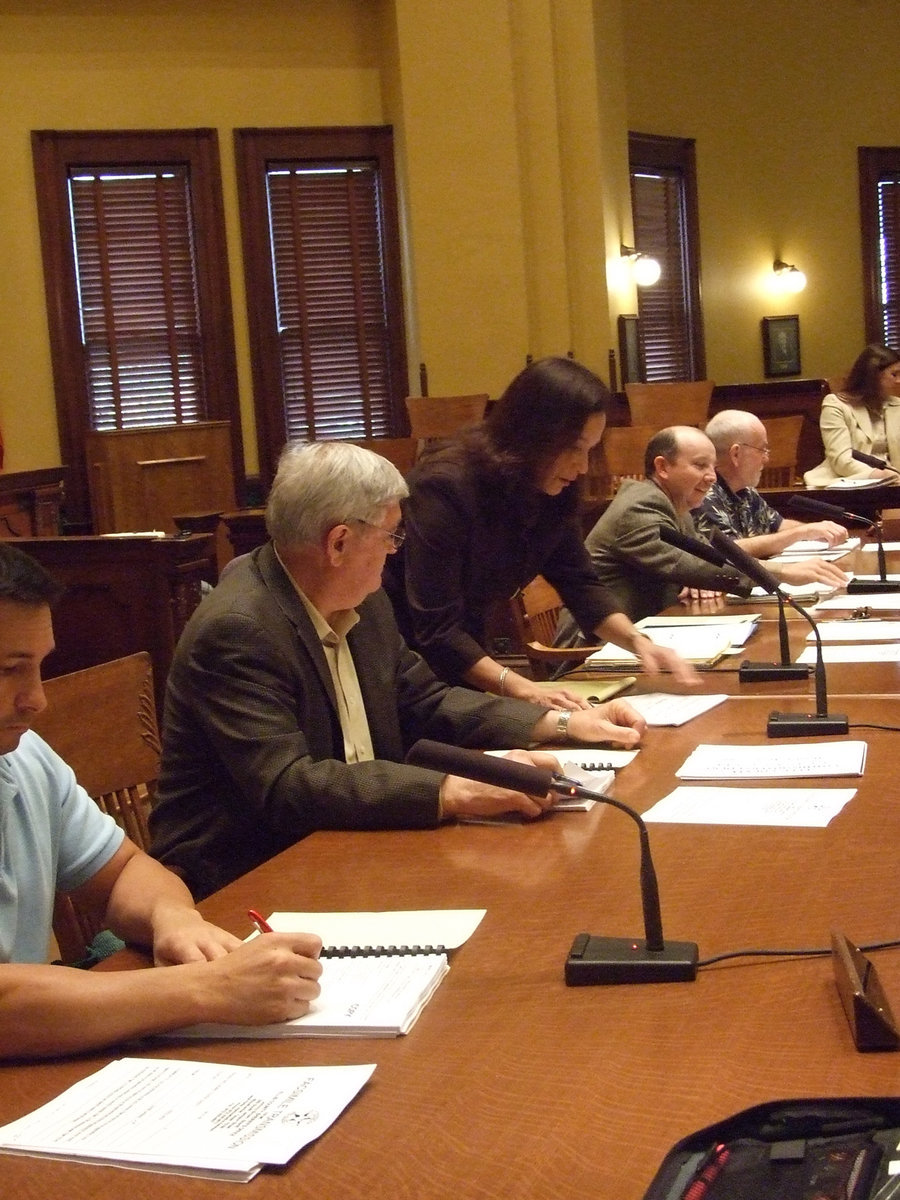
x,y
562,725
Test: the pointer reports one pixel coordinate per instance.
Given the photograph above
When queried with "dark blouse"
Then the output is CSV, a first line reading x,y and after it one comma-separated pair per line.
x,y
473,538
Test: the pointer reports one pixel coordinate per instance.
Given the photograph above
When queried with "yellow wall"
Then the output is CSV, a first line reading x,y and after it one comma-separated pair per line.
x,y
85,64
778,95
510,119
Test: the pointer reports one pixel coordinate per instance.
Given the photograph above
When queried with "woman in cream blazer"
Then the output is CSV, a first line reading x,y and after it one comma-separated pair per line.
x,y
864,415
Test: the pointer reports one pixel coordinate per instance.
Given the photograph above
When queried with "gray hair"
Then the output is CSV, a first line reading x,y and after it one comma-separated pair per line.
x,y
729,426
322,484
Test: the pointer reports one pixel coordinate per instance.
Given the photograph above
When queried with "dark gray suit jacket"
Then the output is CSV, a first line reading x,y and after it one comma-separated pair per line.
x,y
644,573
253,753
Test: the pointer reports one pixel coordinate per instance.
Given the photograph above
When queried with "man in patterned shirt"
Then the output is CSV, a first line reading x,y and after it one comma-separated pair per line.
x,y
734,506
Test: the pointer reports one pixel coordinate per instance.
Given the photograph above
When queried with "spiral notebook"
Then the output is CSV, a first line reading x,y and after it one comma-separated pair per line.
x,y
379,970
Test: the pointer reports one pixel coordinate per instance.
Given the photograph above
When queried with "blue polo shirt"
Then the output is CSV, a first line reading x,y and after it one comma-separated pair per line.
x,y
52,837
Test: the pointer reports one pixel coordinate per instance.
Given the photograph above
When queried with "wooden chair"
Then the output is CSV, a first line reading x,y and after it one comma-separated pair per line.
x,y
783,434
433,417
662,404
535,611
400,451
102,721
621,456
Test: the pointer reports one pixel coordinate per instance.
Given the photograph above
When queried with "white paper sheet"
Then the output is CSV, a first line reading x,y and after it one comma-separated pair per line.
x,y
811,807
662,708
804,760
868,631
885,652
189,1118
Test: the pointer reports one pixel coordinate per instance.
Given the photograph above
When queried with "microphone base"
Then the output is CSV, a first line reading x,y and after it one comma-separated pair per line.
x,y
872,587
603,960
787,724
763,672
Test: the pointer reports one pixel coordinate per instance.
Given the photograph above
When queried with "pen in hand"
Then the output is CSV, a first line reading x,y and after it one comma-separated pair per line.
x,y
262,925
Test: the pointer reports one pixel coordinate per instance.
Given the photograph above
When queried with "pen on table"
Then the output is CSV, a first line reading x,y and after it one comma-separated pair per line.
x,y
262,925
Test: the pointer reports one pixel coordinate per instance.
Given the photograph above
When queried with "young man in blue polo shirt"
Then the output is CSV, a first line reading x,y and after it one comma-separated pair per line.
x,y
53,836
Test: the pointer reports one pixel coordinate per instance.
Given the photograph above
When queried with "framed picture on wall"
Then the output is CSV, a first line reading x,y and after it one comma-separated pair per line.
x,y
781,345
630,348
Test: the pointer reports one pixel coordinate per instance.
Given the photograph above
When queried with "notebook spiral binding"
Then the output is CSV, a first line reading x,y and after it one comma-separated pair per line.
x,y
378,951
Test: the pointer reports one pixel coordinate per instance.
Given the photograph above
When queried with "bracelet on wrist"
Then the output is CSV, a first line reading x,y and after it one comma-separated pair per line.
x,y
503,675
562,725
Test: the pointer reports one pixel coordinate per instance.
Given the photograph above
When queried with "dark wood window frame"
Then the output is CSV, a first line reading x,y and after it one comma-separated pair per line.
x,y
55,154
675,157
879,165
257,151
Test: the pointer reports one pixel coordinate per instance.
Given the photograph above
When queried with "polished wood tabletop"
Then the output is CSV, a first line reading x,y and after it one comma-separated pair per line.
x,y
512,1084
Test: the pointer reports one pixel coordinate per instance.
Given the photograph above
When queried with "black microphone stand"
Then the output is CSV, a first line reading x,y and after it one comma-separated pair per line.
x,y
591,959
882,584
821,723
763,672
594,960
820,508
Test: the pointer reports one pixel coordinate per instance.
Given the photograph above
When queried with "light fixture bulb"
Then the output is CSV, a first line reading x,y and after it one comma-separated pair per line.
x,y
790,277
646,271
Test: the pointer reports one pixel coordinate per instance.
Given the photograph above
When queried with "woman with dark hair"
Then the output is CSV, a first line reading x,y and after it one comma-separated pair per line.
x,y
864,415
491,509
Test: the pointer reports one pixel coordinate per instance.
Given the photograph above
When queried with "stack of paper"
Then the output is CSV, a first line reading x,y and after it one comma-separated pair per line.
x,y
739,626
188,1118
696,644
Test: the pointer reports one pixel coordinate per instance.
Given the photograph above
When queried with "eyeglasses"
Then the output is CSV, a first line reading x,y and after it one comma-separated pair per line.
x,y
395,536
763,450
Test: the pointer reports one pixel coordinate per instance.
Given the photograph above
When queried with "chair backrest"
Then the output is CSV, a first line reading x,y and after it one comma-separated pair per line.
x,y
102,721
400,451
535,610
661,404
432,417
783,436
622,455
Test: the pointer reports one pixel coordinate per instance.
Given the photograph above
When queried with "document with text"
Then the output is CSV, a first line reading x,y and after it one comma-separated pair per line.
x,y
210,1120
811,807
805,760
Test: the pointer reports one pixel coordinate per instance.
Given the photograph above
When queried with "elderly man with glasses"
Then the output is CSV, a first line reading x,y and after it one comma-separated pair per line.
x,y
293,700
734,506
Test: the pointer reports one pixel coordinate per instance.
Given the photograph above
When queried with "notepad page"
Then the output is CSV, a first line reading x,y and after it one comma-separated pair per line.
x,y
794,761
447,927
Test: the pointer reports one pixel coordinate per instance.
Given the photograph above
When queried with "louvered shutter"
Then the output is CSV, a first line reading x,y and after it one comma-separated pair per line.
x,y
330,296
137,290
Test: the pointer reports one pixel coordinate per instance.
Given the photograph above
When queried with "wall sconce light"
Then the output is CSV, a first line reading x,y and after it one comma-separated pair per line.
x,y
646,270
790,277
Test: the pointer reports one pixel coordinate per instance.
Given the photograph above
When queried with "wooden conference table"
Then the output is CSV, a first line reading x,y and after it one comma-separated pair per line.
x,y
512,1084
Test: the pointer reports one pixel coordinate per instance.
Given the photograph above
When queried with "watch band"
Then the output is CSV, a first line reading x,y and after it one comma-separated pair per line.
x,y
562,725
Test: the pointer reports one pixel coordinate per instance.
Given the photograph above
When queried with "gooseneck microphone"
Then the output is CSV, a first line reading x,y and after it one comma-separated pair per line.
x,y
786,724
872,460
882,584
591,959
748,672
691,545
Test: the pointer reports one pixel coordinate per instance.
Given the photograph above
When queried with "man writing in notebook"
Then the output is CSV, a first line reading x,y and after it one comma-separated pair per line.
x,y
53,836
293,700
734,506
